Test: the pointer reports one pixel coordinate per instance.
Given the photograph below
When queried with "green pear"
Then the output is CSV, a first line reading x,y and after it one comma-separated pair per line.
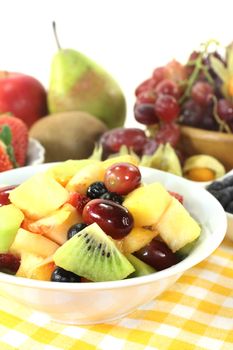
x,y
77,83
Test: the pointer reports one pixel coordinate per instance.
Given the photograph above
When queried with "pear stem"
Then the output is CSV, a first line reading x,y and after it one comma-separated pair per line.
x,y
55,35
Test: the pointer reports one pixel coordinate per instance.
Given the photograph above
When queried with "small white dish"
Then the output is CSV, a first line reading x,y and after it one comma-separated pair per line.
x,y
90,303
36,152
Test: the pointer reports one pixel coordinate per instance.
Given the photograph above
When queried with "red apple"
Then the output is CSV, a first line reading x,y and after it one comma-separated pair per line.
x,y
23,96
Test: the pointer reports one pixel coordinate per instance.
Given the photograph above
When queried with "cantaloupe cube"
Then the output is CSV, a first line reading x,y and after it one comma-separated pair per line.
x,y
176,226
147,204
39,196
56,225
33,243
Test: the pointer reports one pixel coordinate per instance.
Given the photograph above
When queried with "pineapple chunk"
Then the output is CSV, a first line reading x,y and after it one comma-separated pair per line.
x,y
147,204
85,177
176,227
136,239
39,196
64,171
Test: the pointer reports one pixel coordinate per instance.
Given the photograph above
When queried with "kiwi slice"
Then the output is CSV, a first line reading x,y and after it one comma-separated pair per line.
x,y
93,255
141,268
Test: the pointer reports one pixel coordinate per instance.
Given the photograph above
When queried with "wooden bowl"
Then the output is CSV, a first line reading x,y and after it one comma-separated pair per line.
x,y
216,144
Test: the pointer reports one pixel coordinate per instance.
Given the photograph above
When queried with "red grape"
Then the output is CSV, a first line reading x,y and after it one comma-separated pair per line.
x,y
158,75
150,146
144,86
144,113
202,92
4,194
114,219
157,254
146,97
175,71
167,108
112,140
167,87
225,110
168,132
122,178
9,262
192,113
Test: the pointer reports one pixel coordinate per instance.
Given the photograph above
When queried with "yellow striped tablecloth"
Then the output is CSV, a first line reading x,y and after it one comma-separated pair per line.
x,y
195,313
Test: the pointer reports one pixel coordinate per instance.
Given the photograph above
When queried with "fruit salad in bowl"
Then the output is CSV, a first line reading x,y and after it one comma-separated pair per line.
x,y
86,230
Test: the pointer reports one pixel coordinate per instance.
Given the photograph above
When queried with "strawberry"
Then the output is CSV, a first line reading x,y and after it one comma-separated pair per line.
x,y
5,163
19,134
78,201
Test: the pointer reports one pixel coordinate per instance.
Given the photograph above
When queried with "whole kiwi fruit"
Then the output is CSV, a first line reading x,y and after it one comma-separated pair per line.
x,y
67,135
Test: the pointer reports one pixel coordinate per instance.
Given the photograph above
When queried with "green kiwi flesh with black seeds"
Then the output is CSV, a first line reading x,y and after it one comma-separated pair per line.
x,y
93,254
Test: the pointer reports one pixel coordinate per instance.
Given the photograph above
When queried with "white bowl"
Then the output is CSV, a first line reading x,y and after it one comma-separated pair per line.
x,y
36,152
89,303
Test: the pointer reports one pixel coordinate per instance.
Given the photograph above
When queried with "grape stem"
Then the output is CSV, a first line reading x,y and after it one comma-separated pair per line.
x,y
222,125
198,66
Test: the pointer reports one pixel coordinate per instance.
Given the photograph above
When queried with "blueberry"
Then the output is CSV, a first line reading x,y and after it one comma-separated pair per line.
x,y
96,190
112,196
61,275
223,196
229,207
74,229
228,181
216,186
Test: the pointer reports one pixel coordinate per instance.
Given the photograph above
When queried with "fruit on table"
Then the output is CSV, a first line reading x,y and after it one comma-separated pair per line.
x,y
77,83
203,167
93,255
10,220
65,231
39,196
68,135
23,96
222,190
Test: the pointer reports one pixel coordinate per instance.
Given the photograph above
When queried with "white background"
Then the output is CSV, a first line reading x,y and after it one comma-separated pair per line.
x,y
127,37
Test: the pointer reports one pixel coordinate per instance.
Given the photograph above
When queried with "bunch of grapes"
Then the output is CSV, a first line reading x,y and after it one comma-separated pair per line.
x,y
190,94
